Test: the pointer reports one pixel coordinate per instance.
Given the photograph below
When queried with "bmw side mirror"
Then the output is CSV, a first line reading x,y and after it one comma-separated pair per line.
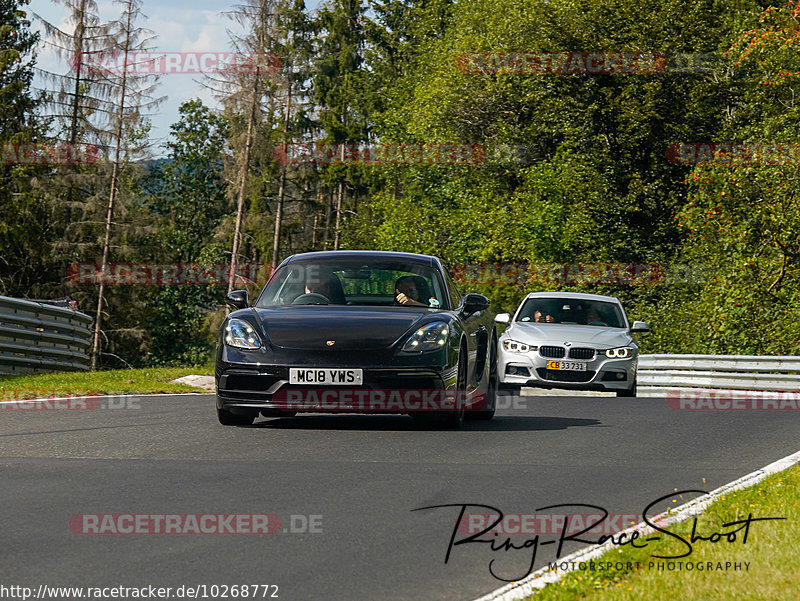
x,y
474,303
237,299
502,318
640,326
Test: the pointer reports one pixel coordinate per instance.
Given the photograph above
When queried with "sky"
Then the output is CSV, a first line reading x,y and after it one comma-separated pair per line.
x,y
186,26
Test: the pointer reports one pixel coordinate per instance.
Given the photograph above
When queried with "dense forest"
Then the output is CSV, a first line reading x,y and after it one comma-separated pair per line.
x,y
485,133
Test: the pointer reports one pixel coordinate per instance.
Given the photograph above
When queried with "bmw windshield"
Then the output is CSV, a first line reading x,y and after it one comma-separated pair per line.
x,y
572,311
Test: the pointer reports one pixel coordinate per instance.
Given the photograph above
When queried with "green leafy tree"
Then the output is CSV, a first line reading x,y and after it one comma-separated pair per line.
x,y
25,228
742,213
342,94
186,195
187,188
598,186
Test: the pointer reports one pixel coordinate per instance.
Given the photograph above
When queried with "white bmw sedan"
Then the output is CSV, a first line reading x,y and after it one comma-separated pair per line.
x,y
570,341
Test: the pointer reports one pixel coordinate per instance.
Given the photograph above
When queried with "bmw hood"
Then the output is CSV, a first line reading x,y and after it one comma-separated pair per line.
x,y
335,328
557,334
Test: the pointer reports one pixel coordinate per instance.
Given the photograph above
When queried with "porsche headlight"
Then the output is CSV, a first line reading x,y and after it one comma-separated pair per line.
x,y
428,338
512,346
240,334
622,352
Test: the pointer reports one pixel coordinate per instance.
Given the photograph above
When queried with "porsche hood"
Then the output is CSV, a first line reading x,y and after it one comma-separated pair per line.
x,y
335,328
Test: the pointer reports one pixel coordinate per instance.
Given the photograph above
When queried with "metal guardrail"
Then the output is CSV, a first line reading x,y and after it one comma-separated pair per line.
x,y
40,337
660,373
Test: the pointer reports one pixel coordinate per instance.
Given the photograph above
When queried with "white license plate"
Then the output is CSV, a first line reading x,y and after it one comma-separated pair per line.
x,y
326,376
566,365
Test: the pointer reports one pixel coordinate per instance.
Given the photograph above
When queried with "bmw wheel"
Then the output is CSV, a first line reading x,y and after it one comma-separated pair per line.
x,y
630,392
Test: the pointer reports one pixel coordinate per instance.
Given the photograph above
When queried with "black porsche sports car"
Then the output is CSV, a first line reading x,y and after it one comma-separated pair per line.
x,y
357,332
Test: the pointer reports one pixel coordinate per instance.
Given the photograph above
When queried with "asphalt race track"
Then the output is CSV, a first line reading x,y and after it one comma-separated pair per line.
x,y
362,474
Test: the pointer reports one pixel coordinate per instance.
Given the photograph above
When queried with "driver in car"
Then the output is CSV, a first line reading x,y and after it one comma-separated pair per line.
x,y
593,318
318,287
406,292
321,285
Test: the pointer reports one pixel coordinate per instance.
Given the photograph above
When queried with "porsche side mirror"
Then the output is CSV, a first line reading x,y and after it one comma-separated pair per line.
x,y
237,299
502,318
640,326
474,303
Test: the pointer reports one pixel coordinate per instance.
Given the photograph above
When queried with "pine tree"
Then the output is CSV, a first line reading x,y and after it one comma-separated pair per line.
x,y
243,92
293,43
341,92
24,216
126,135
80,102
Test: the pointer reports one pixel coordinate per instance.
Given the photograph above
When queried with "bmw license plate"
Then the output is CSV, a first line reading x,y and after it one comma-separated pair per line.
x,y
326,376
566,365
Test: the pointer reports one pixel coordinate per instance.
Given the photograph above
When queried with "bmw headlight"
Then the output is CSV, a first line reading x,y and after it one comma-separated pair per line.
x,y
428,338
240,334
622,352
512,346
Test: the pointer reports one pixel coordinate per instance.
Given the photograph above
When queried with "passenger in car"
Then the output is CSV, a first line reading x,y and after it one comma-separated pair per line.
x,y
540,317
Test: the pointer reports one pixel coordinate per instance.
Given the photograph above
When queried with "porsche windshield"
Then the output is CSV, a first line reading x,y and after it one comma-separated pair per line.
x,y
572,311
354,282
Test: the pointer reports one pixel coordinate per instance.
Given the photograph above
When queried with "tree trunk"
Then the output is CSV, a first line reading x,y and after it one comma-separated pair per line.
x,y
237,233
339,205
112,196
326,231
314,232
282,187
243,185
73,126
317,206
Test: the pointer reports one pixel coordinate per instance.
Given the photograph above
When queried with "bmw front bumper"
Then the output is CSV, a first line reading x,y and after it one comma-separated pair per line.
x,y
531,369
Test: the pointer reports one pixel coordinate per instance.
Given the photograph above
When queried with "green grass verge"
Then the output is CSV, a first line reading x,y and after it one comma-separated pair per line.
x,y
119,381
772,549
